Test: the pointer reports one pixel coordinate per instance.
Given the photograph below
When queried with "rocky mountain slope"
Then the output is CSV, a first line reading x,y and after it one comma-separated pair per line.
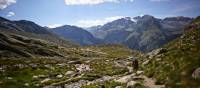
x,y
177,64
31,30
13,45
142,33
76,34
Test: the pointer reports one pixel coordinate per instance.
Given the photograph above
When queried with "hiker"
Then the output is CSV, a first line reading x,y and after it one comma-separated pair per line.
x,y
135,64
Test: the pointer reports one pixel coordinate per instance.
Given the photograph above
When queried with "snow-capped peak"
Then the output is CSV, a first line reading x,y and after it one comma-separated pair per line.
x,y
131,19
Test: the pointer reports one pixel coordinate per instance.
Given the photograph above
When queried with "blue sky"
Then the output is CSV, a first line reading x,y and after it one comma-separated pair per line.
x,y
87,13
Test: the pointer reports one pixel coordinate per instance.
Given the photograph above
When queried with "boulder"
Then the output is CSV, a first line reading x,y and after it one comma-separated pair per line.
x,y
26,84
156,52
35,77
61,65
196,73
9,78
146,62
59,76
82,67
118,87
41,76
131,84
70,73
45,80
124,79
140,72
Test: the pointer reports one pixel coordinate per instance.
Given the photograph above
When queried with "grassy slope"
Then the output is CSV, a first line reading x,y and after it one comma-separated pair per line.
x,y
17,46
22,69
181,59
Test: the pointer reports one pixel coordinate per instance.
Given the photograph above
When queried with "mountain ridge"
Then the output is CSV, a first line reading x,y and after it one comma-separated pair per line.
x,y
143,32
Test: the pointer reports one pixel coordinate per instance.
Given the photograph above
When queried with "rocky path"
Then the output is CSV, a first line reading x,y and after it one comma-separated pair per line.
x,y
150,83
129,79
133,79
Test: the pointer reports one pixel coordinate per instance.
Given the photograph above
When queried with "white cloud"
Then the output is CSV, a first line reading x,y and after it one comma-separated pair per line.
x,y
92,2
5,3
54,25
89,23
10,14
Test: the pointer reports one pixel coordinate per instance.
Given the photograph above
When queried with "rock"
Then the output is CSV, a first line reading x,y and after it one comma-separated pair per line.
x,y
45,80
41,76
82,67
20,66
59,76
26,84
137,78
1,69
196,73
118,87
140,72
52,87
74,62
70,73
9,78
49,66
131,84
156,52
61,65
78,84
158,59
37,84
35,77
146,62
125,79
33,65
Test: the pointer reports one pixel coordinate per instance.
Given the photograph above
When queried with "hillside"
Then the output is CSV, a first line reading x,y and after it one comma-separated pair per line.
x,y
17,46
32,30
177,64
77,35
78,65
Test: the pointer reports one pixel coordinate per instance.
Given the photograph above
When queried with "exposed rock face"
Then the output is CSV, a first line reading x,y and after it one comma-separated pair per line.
x,y
196,73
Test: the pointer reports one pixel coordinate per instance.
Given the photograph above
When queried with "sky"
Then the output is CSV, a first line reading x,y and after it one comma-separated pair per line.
x,y
86,13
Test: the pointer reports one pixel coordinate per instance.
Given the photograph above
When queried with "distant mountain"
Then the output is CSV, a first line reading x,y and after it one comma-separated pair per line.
x,y
76,34
177,63
31,30
142,33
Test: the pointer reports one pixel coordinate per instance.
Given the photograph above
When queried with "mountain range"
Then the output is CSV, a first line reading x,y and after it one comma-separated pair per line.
x,y
32,56
141,33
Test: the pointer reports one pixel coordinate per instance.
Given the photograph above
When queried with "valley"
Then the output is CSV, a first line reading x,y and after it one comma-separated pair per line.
x,y
71,57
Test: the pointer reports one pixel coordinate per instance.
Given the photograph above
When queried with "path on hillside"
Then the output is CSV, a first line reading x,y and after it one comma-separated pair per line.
x,y
147,82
